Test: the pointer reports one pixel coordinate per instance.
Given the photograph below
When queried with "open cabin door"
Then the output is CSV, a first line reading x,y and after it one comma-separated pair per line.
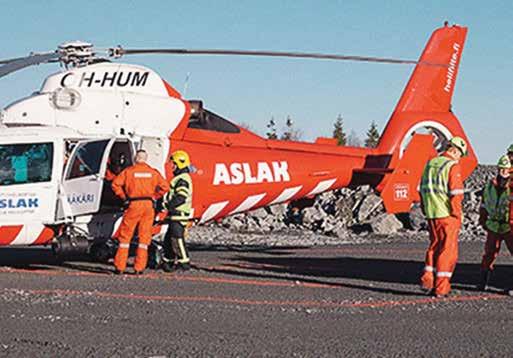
x,y
157,149
82,184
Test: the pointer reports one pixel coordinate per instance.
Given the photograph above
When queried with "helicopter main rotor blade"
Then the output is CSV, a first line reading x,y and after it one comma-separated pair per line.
x,y
6,61
14,65
119,51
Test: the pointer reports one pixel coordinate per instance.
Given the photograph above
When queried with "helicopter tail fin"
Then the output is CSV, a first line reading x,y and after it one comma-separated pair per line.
x,y
431,85
428,94
422,122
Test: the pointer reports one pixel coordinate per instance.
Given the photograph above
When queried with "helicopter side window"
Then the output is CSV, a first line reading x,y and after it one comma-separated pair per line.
x,y
210,121
87,159
25,163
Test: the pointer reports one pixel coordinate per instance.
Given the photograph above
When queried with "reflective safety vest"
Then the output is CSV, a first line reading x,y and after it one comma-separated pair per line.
x,y
181,184
497,208
434,188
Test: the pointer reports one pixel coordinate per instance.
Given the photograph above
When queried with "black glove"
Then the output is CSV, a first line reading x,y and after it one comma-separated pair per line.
x,y
159,204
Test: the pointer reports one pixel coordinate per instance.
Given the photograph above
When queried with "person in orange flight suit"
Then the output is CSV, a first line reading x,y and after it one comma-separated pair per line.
x,y
442,192
139,185
115,166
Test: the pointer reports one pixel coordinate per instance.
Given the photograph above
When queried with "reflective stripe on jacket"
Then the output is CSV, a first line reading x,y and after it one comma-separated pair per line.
x,y
434,188
181,185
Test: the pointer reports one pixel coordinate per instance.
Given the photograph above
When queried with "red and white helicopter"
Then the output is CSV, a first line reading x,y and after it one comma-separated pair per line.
x,y
107,110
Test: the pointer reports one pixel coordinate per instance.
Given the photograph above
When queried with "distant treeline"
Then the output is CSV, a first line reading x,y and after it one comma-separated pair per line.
x,y
291,132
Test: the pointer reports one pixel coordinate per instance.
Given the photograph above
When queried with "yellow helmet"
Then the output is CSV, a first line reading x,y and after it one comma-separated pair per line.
x,y
181,159
504,162
458,142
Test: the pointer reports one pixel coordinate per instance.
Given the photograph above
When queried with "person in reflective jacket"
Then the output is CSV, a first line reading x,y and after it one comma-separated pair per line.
x,y
138,185
494,218
441,191
178,203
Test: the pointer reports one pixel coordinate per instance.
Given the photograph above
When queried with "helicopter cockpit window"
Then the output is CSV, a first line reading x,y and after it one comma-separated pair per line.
x,y
210,121
25,163
87,159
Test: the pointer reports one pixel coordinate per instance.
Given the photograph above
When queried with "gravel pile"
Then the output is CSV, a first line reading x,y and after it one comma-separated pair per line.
x,y
341,216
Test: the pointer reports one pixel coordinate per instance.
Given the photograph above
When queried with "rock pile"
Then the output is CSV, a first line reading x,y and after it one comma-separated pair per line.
x,y
348,214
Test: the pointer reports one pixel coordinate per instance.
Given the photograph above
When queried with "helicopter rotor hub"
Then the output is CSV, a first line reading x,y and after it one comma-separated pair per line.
x,y
76,53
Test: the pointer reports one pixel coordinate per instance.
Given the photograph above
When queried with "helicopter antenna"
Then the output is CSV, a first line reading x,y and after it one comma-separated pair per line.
x,y
186,85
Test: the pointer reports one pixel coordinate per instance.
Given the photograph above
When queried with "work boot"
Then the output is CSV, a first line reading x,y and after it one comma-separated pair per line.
x,y
118,272
435,294
168,267
138,273
428,291
485,279
184,266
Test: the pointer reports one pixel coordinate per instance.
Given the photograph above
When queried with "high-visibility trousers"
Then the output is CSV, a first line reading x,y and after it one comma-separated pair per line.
x,y
441,255
493,246
139,214
175,249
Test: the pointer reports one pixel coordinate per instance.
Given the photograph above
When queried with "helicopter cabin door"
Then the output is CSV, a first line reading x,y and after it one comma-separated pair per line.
x,y
157,149
82,184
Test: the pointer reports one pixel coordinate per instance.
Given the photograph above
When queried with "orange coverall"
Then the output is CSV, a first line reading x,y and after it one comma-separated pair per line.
x,y
138,184
442,253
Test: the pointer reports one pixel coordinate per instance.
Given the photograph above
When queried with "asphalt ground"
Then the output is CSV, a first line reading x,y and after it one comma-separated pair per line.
x,y
254,301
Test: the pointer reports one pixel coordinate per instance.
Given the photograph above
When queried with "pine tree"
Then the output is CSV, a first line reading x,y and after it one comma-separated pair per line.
x,y
338,131
289,132
271,129
372,136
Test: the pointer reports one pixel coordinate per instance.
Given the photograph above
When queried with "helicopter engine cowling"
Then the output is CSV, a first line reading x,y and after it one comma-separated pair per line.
x,y
102,99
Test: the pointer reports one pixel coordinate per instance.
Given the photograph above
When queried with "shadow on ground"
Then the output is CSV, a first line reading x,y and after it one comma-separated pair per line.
x,y
466,275
278,263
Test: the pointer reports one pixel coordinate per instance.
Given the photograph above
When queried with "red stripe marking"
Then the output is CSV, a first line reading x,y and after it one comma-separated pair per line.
x,y
250,266
44,237
179,277
232,300
8,233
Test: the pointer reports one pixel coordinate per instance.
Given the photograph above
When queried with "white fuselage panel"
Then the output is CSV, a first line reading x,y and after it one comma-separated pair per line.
x,y
106,98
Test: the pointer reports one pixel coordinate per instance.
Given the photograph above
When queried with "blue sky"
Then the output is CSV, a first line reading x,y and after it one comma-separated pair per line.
x,y
313,93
